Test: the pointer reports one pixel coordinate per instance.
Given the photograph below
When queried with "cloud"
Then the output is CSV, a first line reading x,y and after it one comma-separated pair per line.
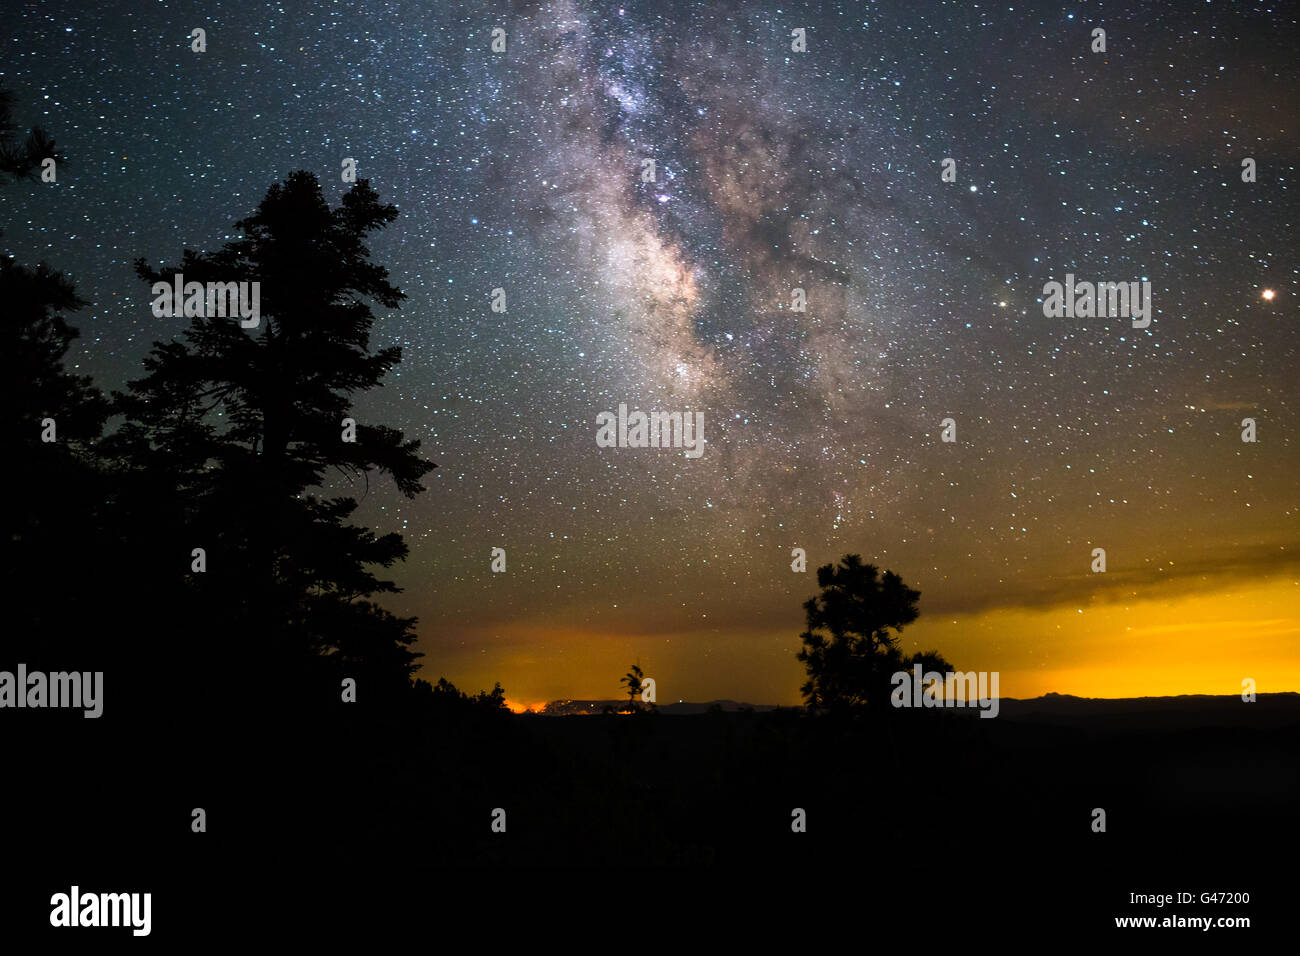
x,y
1249,564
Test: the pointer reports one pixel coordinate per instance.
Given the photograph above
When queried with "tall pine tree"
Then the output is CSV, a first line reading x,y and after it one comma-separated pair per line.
x,y
52,418
246,426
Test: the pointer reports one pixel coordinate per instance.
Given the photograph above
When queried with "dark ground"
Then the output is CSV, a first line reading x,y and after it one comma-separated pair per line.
x,y
338,817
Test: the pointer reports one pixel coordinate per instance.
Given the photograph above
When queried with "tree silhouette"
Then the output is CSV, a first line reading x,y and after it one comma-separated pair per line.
x,y
36,337
53,418
633,681
929,661
62,489
247,427
21,159
445,697
848,648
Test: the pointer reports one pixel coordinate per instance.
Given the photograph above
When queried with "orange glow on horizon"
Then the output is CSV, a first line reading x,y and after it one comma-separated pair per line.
x,y
518,708
1166,642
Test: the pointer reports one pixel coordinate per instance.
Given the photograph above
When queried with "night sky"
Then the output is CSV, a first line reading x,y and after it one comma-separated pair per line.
x,y
775,170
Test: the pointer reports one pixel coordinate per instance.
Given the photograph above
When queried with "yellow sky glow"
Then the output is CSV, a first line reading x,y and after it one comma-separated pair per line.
x,y
1170,643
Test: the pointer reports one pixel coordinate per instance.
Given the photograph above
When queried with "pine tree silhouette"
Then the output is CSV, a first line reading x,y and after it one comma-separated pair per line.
x,y
247,427
851,642
52,419
21,159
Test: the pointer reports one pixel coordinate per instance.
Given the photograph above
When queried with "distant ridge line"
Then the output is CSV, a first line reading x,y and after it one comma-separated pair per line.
x,y
1046,704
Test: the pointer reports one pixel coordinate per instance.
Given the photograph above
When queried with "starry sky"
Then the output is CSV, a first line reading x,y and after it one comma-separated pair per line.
x,y
775,169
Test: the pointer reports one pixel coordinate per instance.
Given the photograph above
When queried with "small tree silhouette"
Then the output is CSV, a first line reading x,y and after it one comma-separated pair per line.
x,y
848,648
633,681
22,159
446,698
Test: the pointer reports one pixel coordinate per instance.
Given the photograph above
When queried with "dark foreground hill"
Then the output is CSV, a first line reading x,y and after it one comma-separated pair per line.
x,y
1183,710
1198,794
